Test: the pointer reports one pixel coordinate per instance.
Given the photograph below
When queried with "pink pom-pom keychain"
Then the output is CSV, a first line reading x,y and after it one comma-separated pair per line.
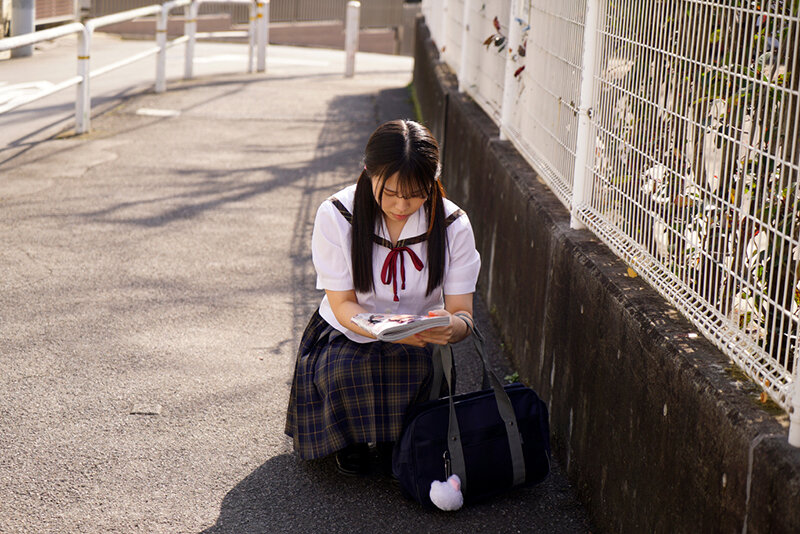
x,y
447,495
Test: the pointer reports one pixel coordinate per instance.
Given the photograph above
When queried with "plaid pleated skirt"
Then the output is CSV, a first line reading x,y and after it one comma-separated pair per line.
x,y
345,392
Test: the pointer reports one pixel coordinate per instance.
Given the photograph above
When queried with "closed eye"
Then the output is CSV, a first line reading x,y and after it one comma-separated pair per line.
x,y
415,194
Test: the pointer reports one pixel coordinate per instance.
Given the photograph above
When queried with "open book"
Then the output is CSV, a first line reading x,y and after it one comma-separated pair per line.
x,y
391,327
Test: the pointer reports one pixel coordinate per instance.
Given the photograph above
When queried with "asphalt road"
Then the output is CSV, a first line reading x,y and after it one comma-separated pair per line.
x,y
156,277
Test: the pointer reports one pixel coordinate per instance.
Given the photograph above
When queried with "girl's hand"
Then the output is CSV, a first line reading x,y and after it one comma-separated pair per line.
x,y
413,339
441,335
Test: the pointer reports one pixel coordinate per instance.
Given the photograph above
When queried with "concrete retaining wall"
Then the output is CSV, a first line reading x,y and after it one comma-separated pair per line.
x,y
657,430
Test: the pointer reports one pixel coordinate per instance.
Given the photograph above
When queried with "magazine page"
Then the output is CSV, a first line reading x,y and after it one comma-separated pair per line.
x,y
391,327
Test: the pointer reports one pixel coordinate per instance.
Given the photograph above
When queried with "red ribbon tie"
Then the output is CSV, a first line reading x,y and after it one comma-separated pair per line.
x,y
389,270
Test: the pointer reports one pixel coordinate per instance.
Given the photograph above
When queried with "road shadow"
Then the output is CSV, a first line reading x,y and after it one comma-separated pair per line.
x,y
287,494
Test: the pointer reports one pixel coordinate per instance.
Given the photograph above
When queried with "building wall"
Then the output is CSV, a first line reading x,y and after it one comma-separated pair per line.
x,y
56,10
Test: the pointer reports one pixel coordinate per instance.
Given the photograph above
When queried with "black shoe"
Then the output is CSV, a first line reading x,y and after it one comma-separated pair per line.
x,y
383,454
353,460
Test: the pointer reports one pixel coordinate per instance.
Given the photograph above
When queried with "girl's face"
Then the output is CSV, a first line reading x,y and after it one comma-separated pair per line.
x,y
394,206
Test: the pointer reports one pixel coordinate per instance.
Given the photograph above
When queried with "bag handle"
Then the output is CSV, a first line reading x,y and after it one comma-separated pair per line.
x,y
438,376
504,408
480,347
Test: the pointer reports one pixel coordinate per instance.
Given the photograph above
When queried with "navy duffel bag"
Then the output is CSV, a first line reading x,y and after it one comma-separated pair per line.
x,y
494,439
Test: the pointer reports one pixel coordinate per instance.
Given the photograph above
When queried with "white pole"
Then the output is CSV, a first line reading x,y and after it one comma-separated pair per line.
x,y
351,36
582,180
442,37
464,73
23,17
190,29
83,99
510,86
251,38
262,20
161,42
794,419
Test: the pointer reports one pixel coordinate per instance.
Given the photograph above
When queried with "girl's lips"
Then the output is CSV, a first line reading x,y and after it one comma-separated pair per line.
x,y
401,217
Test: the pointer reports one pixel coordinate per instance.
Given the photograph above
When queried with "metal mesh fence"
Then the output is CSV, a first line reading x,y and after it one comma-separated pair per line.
x,y
486,67
685,113
696,171
546,91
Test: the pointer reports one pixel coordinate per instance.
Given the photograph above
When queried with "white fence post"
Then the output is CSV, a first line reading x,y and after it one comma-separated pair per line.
x,y
351,36
83,99
584,144
465,74
161,42
190,31
262,21
794,418
442,37
23,20
251,37
508,108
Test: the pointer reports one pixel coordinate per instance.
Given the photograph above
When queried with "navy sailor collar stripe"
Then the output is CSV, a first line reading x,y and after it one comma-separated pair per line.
x,y
385,242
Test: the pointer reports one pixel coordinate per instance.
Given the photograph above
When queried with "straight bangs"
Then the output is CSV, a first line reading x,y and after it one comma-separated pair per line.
x,y
410,179
411,182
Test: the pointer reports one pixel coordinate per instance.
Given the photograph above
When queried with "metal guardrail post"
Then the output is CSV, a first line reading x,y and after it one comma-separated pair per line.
x,y
251,37
262,21
190,30
23,15
83,104
83,98
161,42
582,180
794,417
191,34
351,36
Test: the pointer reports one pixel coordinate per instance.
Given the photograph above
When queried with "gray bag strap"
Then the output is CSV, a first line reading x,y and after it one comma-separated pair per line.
x,y
454,448
504,407
436,381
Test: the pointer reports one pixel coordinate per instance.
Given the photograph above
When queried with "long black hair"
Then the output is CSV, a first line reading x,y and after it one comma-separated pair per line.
x,y
408,149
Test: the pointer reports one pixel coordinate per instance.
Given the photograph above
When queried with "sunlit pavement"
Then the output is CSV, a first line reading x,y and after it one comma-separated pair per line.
x,y
156,278
55,61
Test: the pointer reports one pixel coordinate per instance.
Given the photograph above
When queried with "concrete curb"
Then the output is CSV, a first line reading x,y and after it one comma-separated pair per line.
x,y
657,430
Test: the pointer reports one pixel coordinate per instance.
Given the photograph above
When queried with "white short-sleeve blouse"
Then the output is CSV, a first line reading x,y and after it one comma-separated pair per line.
x,y
330,249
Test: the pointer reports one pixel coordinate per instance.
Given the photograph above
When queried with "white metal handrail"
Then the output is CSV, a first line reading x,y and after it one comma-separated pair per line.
x,y
83,102
10,43
86,31
258,37
258,33
44,35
